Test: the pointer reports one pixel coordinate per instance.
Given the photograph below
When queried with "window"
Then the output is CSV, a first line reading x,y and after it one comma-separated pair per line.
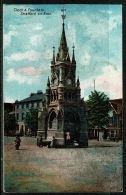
x,y
52,121
27,105
22,116
22,105
32,105
17,116
112,133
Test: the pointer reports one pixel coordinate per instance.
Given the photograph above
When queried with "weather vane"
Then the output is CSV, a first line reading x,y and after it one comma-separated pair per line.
x,y
63,16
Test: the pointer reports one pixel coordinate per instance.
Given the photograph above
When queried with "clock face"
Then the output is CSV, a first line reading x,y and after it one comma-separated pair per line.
x,y
69,82
55,81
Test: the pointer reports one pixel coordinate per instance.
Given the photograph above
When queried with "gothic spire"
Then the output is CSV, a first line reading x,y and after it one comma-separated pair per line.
x,y
63,43
73,57
53,58
48,82
78,82
63,49
68,57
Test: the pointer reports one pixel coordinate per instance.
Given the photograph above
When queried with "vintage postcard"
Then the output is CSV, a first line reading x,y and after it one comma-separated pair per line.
x,y
62,78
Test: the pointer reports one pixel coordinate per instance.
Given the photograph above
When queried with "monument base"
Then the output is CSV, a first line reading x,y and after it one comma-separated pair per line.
x,y
59,136
83,139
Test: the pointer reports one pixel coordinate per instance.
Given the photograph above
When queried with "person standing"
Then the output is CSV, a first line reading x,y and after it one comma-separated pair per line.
x,y
53,142
41,142
17,142
68,139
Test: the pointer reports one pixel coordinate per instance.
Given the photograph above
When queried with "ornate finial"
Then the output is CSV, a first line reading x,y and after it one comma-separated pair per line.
x,y
73,57
63,16
48,82
53,59
53,49
73,47
78,82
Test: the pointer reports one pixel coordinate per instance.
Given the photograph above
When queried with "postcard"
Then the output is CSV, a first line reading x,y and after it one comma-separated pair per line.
x,y
62,78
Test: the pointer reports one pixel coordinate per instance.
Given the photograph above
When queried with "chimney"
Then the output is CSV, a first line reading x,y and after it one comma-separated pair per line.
x,y
39,92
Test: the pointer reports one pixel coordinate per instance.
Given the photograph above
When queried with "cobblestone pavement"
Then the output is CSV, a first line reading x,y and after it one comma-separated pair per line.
x,y
97,168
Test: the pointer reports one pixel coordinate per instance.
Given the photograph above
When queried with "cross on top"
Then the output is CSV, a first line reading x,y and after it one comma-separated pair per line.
x,y
63,16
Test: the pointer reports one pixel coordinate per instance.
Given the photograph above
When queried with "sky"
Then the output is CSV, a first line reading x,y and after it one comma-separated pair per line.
x,y
28,40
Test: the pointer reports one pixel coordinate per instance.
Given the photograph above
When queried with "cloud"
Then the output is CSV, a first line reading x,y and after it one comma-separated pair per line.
x,y
48,54
110,81
42,39
114,21
7,38
107,11
13,27
9,99
13,75
71,37
32,71
35,40
37,27
85,59
92,32
29,55
96,26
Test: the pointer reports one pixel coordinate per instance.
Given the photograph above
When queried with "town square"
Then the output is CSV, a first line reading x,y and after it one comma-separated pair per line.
x,y
31,169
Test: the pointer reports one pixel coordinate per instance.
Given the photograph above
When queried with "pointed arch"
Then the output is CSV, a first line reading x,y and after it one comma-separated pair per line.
x,y
60,119
76,113
72,124
52,119
60,113
51,96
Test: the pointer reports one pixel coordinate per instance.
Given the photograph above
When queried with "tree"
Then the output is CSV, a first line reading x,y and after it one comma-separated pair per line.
x,y
98,108
9,122
31,120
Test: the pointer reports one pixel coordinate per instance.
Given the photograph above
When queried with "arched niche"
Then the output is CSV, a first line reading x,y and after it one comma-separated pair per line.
x,y
72,124
60,119
52,120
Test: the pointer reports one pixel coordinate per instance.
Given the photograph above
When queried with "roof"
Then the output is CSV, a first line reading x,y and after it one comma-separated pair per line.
x,y
116,101
117,105
33,97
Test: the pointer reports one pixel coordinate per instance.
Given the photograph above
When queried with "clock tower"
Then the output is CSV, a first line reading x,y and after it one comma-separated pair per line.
x,y
64,106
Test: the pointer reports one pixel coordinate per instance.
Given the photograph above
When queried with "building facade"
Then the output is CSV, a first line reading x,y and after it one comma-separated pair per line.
x,y
115,125
35,100
9,107
116,119
8,110
65,112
